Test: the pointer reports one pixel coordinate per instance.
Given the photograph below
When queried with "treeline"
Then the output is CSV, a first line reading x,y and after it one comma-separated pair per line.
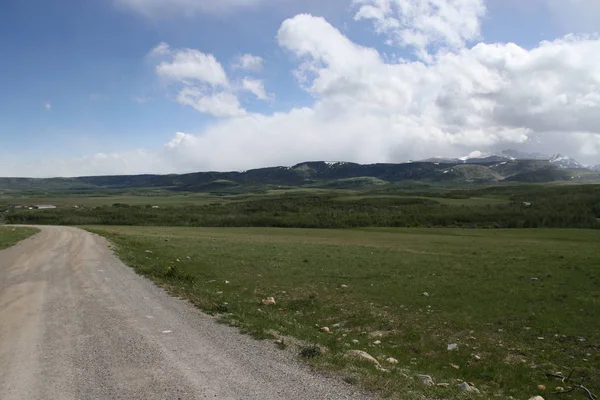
x,y
556,207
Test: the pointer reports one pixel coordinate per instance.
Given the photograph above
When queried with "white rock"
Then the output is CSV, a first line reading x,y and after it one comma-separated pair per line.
x,y
269,301
325,329
362,355
536,398
148,251
377,342
426,294
426,380
465,387
227,282
452,347
344,286
391,360
355,341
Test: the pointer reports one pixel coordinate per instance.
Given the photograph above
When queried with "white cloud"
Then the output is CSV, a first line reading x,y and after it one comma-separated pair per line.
x,y
218,104
166,8
190,65
425,23
256,87
47,105
249,62
203,83
367,109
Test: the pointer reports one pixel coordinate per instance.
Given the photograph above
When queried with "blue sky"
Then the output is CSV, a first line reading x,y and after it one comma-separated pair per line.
x,y
81,91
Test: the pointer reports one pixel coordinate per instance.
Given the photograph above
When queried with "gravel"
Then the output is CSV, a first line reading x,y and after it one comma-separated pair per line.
x,y
76,323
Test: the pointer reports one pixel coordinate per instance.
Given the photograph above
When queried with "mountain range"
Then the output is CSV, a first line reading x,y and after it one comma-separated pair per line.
x,y
477,167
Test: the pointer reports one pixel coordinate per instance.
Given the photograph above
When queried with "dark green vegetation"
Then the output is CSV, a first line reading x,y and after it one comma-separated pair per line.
x,y
519,303
313,174
10,236
523,206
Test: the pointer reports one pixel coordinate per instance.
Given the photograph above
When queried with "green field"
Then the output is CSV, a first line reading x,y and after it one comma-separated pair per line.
x,y
519,303
10,236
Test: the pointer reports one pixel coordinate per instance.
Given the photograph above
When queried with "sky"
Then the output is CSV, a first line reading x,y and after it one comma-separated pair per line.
x,y
107,87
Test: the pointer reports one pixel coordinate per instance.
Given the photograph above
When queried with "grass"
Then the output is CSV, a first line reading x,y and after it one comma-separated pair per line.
x,y
473,201
495,293
10,236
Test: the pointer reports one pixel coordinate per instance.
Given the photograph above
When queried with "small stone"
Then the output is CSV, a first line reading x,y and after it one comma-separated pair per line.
x,y
391,360
355,341
227,282
465,387
476,357
426,380
344,286
559,389
188,258
269,301
541,387
362,355
425,294
540,338
325,329
452,347
148,251
377,342
279,341
335,326
455,366
536,398
443,385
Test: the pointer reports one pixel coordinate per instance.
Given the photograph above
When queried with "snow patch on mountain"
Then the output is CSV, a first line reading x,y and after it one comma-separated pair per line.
x,y
564,161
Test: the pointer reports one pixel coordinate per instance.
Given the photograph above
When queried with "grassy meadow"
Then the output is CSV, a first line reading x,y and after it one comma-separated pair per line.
x,y
518,303
10,235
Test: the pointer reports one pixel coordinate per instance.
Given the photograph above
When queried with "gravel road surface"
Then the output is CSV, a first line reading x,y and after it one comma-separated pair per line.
x,y
75,323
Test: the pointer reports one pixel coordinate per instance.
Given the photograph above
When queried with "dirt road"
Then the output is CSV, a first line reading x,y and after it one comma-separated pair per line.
x,y
75,323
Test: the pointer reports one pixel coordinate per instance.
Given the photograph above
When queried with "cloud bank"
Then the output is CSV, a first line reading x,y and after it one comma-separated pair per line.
x,y
458,95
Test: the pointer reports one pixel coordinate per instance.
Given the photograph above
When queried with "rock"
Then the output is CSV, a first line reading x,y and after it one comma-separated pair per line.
x,y
188,258
443,385
391,360
377,342
559,389
425,294
362,355
148,251
344,286
355,341
335,325
541,387
476,357
465,387
536,398
452,347
269,301
227,282
426,380
455,366
325,329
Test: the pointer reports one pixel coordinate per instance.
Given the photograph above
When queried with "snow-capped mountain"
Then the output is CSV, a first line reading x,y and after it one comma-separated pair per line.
x,y
564,162
480,157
